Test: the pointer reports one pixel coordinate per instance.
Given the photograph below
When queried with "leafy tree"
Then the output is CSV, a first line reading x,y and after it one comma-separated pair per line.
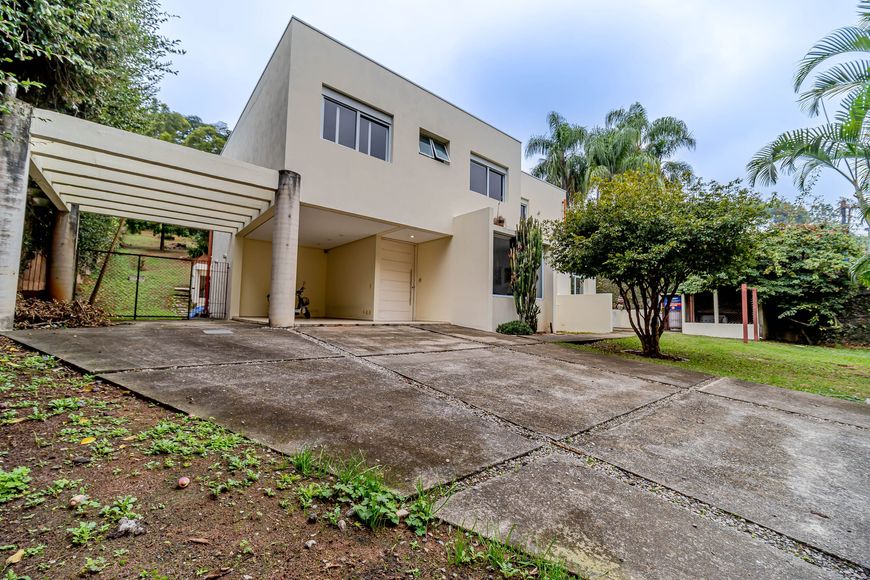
x,y
525,257
97,59
648,236
563,162
802,275
841,145
629,141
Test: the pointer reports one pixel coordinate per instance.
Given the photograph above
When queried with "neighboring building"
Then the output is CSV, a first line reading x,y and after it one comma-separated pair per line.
x,y
408,203
717,313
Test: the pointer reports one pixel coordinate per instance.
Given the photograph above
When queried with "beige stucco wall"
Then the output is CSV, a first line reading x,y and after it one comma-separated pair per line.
x,y
350,280
256,277
410,189
433,282
257,273
583,313
260,134
311,268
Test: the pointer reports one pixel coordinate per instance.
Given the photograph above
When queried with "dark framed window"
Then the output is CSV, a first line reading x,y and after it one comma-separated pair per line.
x,y
501,266
487,180
355,128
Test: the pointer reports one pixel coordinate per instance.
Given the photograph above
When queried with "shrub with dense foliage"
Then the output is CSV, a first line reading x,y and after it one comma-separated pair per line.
x,y
517,327
648,235
802,276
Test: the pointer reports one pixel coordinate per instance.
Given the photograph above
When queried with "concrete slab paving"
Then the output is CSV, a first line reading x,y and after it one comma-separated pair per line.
x,y
548,396
806,478
650,371
387,339
490,338
603,528
141,345
341,405
828,408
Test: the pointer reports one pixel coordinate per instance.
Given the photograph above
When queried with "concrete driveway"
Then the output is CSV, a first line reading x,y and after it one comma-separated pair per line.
x,y
622,468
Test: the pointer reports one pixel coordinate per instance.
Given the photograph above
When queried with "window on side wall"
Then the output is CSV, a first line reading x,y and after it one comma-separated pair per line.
x,y
501,266
576,284
434,148
524,209
356,125
487,179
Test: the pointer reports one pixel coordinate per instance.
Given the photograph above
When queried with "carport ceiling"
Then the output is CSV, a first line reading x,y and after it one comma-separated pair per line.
x,y
114,172
325,229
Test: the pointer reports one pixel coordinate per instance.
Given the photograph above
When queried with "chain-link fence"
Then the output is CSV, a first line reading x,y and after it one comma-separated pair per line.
x,y
144,286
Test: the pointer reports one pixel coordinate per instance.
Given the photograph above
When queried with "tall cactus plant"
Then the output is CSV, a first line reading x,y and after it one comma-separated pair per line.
x,y
525,258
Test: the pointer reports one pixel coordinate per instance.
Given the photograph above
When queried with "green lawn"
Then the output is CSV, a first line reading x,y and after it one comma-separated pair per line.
x,y
834,372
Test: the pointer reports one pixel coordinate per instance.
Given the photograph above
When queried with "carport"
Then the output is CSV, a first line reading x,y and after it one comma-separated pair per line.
x,y
84,166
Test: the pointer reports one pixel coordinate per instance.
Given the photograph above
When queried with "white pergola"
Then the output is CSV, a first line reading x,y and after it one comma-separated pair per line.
x,y
84,166
108,171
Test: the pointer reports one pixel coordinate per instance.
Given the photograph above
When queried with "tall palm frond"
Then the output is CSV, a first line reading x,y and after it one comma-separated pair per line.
x,y
562,160
804,151
843,41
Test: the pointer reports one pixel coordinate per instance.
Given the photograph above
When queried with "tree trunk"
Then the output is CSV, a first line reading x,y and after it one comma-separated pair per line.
x,y
106,262
162,237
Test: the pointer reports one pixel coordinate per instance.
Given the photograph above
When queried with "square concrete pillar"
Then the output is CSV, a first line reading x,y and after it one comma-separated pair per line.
x,y
14,162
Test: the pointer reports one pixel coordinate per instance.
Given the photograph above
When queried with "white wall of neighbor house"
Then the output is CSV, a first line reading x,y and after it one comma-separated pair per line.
x,y
583,313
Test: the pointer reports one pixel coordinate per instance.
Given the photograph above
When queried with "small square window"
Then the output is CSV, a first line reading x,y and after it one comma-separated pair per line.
x,y
432,147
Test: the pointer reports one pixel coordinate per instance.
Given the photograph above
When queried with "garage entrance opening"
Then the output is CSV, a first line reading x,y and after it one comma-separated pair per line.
x,y
142,286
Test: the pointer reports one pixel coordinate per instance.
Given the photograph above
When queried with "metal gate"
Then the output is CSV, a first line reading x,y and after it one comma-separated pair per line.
x,y
675,314
144,286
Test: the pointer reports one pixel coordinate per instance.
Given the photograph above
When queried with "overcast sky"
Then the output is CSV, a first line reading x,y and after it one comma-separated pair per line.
x,y
724,67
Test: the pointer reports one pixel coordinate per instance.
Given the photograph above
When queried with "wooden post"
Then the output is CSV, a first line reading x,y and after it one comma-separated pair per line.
x,y
102,273
755,312
745,308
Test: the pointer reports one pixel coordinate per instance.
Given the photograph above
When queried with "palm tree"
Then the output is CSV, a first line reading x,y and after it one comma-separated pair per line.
x,y
563,161
630,141
841,145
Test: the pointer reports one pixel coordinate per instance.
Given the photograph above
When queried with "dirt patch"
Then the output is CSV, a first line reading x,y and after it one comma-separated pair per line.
x,y
248,511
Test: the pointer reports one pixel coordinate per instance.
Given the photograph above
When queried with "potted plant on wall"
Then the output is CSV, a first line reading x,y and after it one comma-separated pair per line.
x,y
498,219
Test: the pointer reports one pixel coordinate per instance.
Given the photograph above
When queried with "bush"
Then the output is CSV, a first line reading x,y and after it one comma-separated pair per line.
x,y
514,327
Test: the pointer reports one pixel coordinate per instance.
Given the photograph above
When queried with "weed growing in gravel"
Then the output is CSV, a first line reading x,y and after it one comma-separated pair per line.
x,y
188,436
308,493
303,462
422,511
93,566
122,507
86,532
14,484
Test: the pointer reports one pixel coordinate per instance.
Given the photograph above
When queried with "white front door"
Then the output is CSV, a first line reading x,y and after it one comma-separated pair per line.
x,y
395,281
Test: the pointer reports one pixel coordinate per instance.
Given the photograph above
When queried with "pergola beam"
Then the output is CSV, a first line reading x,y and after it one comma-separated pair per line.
x,y
47,152
59,170
97,138
151,217
156,212
38,175
119,192
79,195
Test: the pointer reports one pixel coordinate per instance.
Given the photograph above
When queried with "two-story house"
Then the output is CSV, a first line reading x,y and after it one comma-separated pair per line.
x,y
408,202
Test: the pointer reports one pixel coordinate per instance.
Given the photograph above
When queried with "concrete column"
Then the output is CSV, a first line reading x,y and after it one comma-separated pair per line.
x,y
715,307
285,246
62,261
14,161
